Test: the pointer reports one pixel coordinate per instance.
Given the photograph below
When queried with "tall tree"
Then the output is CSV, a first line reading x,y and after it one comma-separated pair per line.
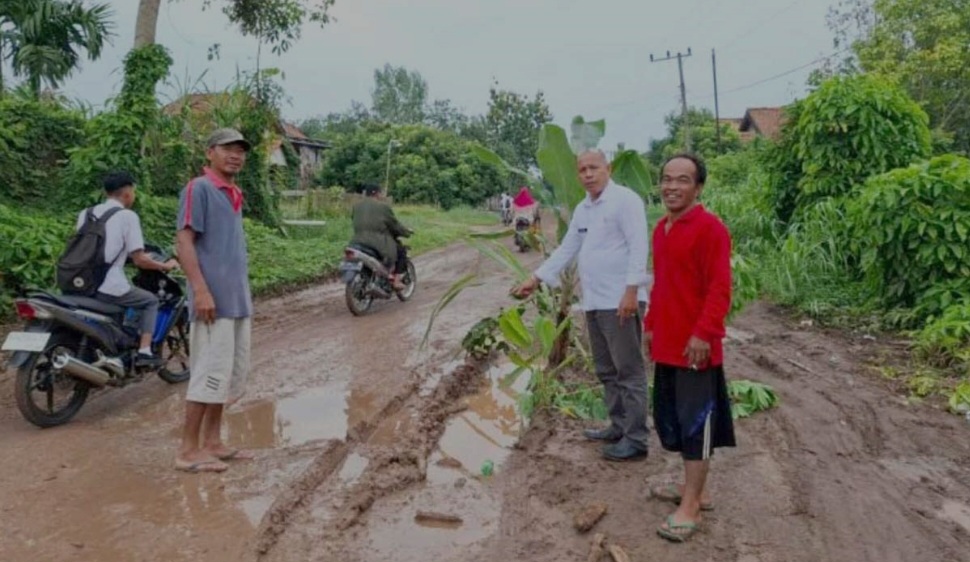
x,y
146,22
923,45
44,40
277,23
512,125
703,134
399,96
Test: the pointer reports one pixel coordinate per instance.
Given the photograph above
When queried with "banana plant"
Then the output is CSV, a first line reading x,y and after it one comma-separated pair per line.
x,y
528,346
560,190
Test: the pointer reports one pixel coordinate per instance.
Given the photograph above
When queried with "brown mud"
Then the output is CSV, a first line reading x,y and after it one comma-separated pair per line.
x,y
360,435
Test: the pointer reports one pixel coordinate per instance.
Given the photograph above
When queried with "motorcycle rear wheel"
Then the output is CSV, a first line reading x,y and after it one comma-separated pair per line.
x,y
37,376
410,283
358,301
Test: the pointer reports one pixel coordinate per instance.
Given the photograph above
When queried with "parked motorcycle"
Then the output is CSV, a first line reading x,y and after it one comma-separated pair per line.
x,y
367,279
71,345
522,227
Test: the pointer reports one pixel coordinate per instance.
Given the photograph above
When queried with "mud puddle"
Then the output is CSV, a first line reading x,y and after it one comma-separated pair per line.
x,y
175,516
957,512
487,430
311,415
455,487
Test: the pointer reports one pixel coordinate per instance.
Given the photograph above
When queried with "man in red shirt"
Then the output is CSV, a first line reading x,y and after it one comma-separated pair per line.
x,y
689,301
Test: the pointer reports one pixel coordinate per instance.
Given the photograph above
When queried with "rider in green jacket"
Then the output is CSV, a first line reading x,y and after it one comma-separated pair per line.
x,y
375,226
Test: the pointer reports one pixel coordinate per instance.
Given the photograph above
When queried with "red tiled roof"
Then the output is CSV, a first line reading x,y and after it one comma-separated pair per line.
x,y
293,131
765,121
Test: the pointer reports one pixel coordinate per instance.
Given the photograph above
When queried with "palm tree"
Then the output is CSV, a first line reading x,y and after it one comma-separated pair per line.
x,y
44,40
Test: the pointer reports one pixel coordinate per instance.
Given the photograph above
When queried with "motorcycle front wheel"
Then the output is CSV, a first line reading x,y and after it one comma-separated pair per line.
x,y
175,352
358,301
47,397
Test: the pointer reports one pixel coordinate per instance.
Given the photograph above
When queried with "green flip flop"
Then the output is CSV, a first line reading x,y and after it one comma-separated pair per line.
x,y
677,532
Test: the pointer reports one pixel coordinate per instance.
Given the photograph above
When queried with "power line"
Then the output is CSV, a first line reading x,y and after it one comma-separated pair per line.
x,y
683,89
756,26
786,73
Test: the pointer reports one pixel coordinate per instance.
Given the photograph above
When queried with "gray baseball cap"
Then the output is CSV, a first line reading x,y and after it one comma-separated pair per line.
x,y
227,136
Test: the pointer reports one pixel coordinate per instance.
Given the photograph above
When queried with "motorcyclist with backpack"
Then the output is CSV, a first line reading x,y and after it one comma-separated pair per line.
x,y
93,265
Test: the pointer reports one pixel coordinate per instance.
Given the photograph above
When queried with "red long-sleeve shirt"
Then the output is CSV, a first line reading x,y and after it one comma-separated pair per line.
x,y
691,294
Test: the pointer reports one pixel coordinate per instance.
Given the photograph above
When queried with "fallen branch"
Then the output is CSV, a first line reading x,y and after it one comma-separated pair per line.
x,y
438,517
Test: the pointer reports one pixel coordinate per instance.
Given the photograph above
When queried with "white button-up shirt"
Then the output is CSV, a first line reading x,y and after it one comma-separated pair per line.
x,y
608,238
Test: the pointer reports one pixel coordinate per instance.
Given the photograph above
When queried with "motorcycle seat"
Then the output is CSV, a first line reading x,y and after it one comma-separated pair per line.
x,y
87,303
367,250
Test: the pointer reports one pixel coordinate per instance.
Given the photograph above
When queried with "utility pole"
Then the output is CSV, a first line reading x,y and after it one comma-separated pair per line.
x,y
717,109
683,91
387,178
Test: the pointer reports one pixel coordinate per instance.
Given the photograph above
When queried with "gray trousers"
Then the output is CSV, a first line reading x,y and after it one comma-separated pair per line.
x,y
618,359
141,300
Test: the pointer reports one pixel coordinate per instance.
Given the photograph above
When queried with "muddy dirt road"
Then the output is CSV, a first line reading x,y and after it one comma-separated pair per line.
x,y
362,437
102,488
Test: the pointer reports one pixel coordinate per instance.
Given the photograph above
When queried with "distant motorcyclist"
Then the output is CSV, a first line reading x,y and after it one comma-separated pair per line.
x,y
506,203
524,205
376,227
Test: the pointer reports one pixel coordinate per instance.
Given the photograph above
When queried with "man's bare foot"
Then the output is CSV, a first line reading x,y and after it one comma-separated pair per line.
x,y
224,453
678,529
674,492
199,461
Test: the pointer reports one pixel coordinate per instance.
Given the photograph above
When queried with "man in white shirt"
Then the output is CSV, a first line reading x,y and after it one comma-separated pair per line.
x,y
123,238
608,238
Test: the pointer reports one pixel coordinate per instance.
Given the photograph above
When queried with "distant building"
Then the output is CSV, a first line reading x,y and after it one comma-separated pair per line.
x,y
310,151
765,122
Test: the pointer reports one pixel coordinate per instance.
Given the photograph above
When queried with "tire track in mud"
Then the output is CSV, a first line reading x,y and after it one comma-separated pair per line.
x,y
398,466
844,431
307,348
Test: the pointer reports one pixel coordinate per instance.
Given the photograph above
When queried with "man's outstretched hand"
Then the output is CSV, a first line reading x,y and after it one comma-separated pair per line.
x,y
526,288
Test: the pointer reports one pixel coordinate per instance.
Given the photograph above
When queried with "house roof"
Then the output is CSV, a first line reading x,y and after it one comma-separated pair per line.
x,y
765,121
735,124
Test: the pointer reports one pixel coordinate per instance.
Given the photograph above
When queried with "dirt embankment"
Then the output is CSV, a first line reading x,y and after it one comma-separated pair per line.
x,y
843,470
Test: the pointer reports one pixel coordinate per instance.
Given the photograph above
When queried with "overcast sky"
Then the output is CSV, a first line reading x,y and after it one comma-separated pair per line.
x,y
590,58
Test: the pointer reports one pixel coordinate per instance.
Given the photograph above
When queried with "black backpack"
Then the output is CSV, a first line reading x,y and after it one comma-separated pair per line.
x,y
82,268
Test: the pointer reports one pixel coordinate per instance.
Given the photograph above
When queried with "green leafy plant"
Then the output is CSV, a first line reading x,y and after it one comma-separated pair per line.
x,y
959,401
483,338
912,229
924,383
749,397
35,138
847,130
945,341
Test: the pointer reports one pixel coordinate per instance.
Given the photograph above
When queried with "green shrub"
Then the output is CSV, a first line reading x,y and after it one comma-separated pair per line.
x,y
428,166
849,129
945,341
35,137
32,244
911,228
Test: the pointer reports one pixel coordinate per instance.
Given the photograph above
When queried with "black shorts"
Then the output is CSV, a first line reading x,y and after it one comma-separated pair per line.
x,y
691,410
